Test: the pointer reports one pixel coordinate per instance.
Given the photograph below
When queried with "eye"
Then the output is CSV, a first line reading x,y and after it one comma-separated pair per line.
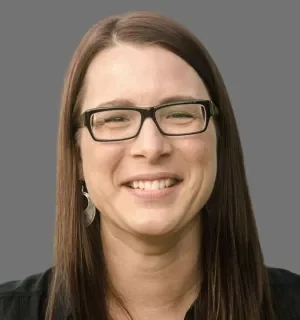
x,y
180,115
116,119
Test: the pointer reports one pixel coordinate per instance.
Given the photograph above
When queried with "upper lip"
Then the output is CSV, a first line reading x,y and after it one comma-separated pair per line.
x,y
152,177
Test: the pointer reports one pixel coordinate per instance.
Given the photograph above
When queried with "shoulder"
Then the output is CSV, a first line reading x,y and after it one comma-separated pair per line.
x,y
285,290
24,298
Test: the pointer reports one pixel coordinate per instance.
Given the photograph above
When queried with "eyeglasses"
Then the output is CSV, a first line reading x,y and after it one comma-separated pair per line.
x,y
172,119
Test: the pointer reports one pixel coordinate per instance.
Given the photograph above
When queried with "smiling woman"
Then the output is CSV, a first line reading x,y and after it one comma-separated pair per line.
x,y
154,218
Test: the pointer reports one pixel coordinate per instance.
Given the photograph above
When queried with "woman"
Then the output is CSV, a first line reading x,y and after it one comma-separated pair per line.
x,y
154,218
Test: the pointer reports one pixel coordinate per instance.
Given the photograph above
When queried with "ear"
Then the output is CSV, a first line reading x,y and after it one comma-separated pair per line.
x,y
80,171
79,162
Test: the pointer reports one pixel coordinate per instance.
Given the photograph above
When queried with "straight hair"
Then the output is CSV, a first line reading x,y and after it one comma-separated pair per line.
x,y
235,281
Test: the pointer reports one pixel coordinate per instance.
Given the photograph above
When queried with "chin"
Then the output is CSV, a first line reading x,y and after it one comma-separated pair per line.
x,y
152,230
154,227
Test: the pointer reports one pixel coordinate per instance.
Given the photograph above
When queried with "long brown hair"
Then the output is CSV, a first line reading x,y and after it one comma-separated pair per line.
x,y
235,280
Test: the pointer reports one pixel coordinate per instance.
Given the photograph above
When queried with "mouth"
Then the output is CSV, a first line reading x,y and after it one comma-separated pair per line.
x,y
153,184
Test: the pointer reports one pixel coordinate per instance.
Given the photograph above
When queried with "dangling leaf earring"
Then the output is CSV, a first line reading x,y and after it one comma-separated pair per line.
x,y
90,210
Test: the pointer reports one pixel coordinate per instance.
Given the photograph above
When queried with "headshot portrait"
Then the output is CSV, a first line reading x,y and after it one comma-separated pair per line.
x,y
154,218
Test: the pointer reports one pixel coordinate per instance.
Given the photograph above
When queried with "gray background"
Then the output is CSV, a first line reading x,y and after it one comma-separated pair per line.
x,y
257,48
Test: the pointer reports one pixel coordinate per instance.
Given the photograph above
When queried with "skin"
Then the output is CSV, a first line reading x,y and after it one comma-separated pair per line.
x,y
151,247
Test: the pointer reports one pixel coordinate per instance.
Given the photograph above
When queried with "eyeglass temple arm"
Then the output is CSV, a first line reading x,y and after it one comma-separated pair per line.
x,y
214,111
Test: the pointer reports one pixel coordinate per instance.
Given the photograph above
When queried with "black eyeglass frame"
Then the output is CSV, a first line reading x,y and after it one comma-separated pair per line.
x,y
210,108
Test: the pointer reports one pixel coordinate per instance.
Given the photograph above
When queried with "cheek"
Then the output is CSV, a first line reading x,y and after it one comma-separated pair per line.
x,y
200,157
199,151
99,162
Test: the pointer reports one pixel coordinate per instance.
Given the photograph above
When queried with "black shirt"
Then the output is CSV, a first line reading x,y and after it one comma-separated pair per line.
x,y
25,299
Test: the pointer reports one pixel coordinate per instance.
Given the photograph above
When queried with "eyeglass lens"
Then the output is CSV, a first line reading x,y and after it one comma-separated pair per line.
x,y
121,123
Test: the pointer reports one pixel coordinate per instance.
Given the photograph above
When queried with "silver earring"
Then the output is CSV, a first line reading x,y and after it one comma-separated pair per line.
x,y
89,212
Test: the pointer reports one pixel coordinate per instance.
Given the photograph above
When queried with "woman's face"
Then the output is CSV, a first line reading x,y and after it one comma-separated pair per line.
x,y
146,76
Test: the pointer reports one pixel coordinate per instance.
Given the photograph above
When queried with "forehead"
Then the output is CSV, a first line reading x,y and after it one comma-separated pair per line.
x,y
144,75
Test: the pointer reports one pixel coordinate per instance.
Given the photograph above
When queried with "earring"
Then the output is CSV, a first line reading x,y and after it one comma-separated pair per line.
x,y
89,212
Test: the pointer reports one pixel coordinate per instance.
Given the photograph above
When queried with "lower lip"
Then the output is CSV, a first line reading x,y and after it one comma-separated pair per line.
x,y
154,194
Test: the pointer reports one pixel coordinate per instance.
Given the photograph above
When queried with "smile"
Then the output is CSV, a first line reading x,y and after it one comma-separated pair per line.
x,y
153,185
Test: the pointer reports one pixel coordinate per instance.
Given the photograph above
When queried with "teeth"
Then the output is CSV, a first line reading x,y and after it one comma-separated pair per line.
x,y
153,185
162,184
135,184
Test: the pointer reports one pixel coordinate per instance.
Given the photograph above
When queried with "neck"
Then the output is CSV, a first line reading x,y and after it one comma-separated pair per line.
x,y
157,278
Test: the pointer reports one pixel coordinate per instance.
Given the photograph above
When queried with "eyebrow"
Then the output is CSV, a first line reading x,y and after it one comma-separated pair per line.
x,y
130,103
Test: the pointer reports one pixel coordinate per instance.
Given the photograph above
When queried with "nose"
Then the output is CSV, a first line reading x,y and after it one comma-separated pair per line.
x,y
150,143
